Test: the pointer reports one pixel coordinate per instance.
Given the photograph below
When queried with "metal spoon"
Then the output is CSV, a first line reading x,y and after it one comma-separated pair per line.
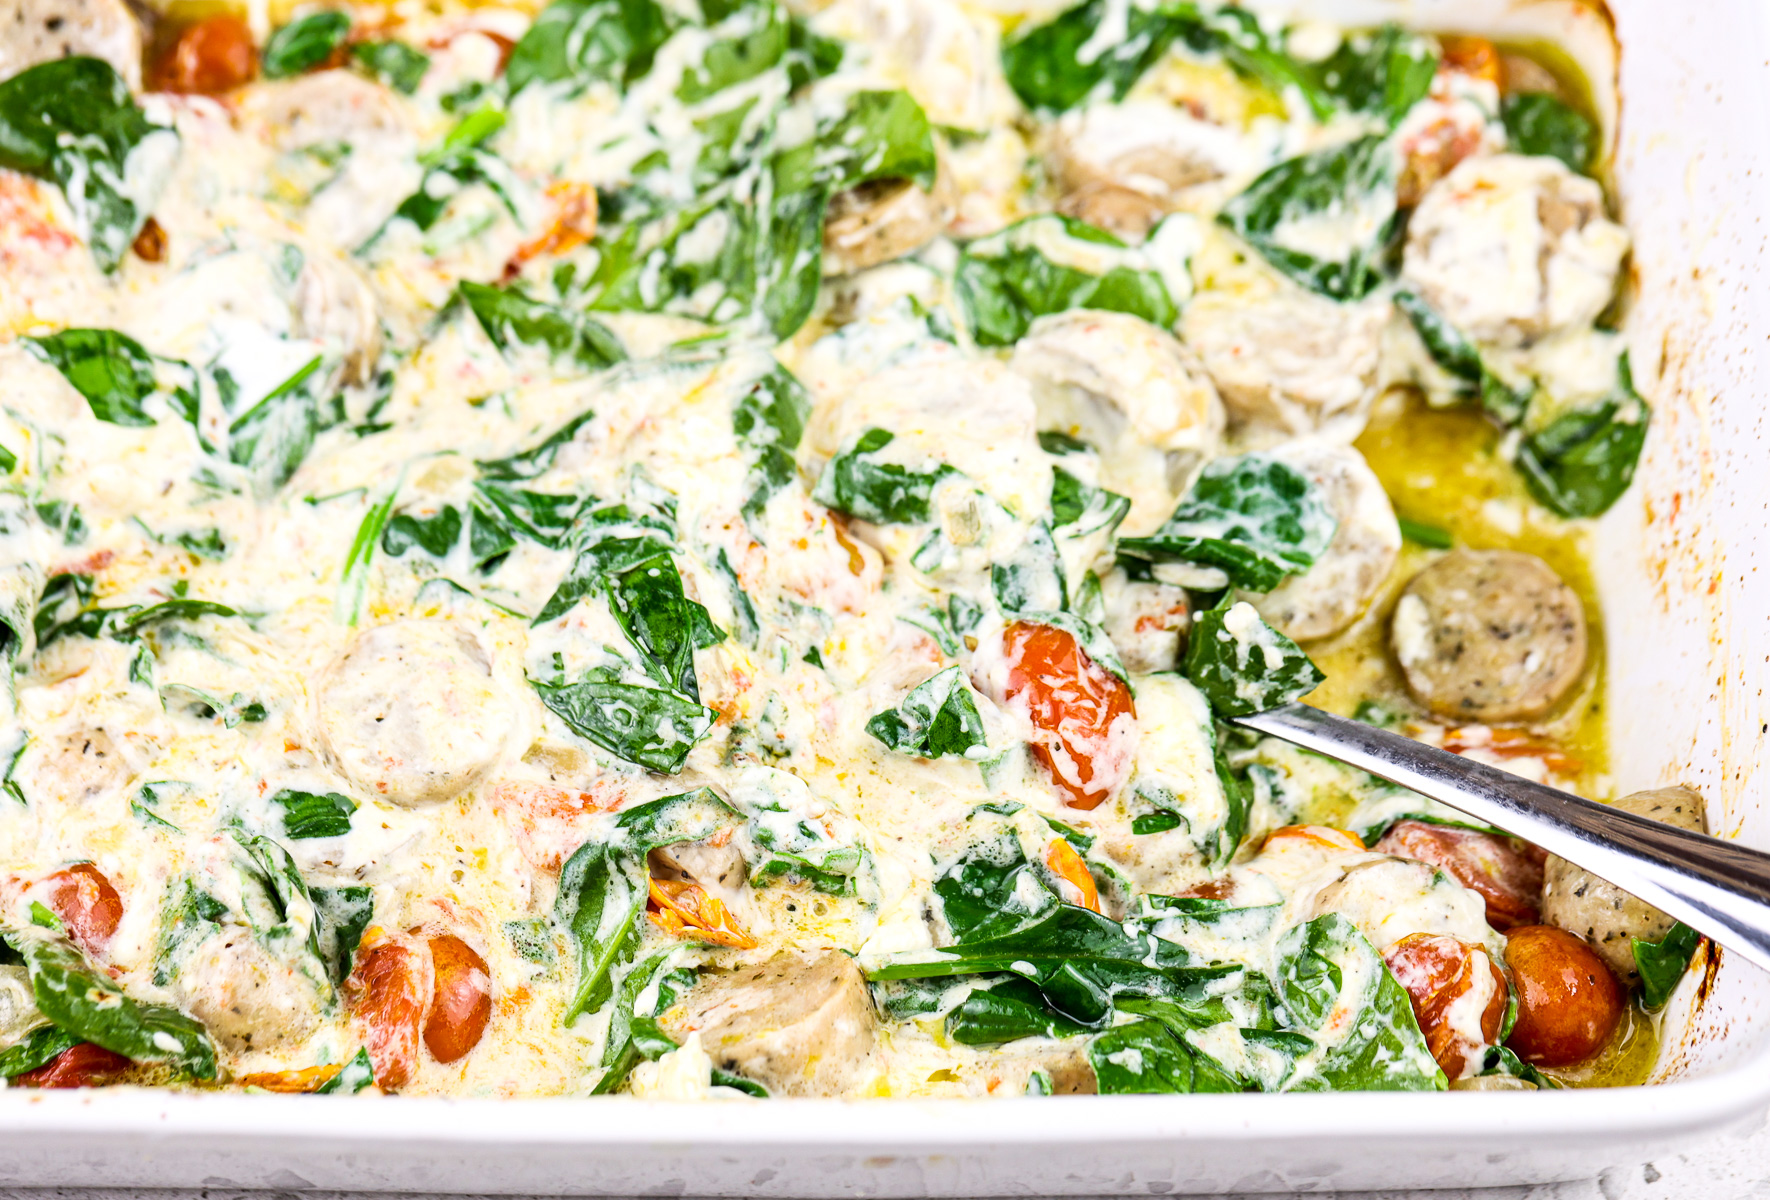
x,y
1720,889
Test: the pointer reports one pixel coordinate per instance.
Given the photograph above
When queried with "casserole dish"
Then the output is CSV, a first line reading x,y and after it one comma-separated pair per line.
x,y
1675,561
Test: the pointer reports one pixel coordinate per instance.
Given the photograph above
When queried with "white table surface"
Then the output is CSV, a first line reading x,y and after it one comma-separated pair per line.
x,y
1734,1164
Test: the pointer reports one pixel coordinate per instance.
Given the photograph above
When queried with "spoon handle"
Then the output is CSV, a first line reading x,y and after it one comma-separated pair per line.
x,y
1718,888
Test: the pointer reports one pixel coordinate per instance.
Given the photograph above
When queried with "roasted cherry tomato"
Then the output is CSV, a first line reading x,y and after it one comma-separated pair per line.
x,y
462,1001
1439,971
1321,837
84,1065
1568,1001
387,997
1084,710
1474,56
213,56
87,904
1507,873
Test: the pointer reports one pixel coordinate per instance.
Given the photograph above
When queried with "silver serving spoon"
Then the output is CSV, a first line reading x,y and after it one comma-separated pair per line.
x,y
1718,888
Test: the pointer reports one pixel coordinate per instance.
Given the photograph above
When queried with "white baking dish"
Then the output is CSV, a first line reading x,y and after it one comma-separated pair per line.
x,y
1686,614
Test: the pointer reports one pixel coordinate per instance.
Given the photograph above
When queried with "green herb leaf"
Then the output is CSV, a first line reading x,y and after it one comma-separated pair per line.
x,y
936,718
1421,534
358,1073
1582,462
751,39
652,727
114,372
1005,281
1663,963
1354,182
1538,123
314,815
1055,66
1384,72
87,1004
1242,664
770,420
1143,1057
603,888
1327,966
343,914
1009,1010
1444,342
399,66
858,482
580,42
37,1048
511,318
304,44
1253,517
71,121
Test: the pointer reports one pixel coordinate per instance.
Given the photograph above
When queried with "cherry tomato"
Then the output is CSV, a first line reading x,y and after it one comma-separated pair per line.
x,y
1438,971
84,1065
1507,873
213,56
1322,837
87,904
304,1079
462,1002
1084,710
387,995
1568,1001
1068,866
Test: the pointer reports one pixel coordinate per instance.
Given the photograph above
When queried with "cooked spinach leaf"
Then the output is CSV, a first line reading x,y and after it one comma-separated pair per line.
x,y
650,726
1008,1010
748,40
510,318
580,42
86,1003
603,886
343,913
116,374
358,1073
769,420
858,482
1580,463
1342,198
1253,517
72,122
1447,345
399,66
1006,280
1326,966
936,718
1663,963
1384,72
314,814
1242,664
1144,1057
1539,123
36,1049
304,44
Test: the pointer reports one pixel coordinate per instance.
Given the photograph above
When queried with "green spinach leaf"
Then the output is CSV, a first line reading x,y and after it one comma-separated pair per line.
x,y
343,914
1663,963
1582,462
1006,280
858,482
114,372
936,718
72,122
399,66
304,44
1242,664
1253,517
580,42
314,814
1384,72
358,1073
86,1003
510,318
1295,208
1539,123
1007,1011
37,1048
1144,1057
769,420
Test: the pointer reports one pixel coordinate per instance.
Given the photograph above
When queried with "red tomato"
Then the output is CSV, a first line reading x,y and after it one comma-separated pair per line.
x,y
462,1002
387,993
1506,872
87,904
213,56
1568,1001
1084,710
1438,971
84,1065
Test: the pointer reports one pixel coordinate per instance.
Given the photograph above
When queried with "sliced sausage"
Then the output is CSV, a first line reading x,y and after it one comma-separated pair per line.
x,y
76,768
1489,635
1509,248
1334,592
335,305
801,1024
1288,363
39,31
1138,373
1123,167
1603,914
883,220
248,998
411,711
1568,1001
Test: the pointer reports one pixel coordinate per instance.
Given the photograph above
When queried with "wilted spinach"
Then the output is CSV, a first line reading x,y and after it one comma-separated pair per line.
x,y
116,374
769,421
304,44
1242,664
72,122
314,814
1349,184
1384,72
399,66
603,886
580,42
858,482
1539,123
1253,517
1581,462
1663,963
1006,280
936,718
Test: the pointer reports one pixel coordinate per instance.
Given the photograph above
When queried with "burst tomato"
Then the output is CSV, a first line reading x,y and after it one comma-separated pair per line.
x,y
1084,711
